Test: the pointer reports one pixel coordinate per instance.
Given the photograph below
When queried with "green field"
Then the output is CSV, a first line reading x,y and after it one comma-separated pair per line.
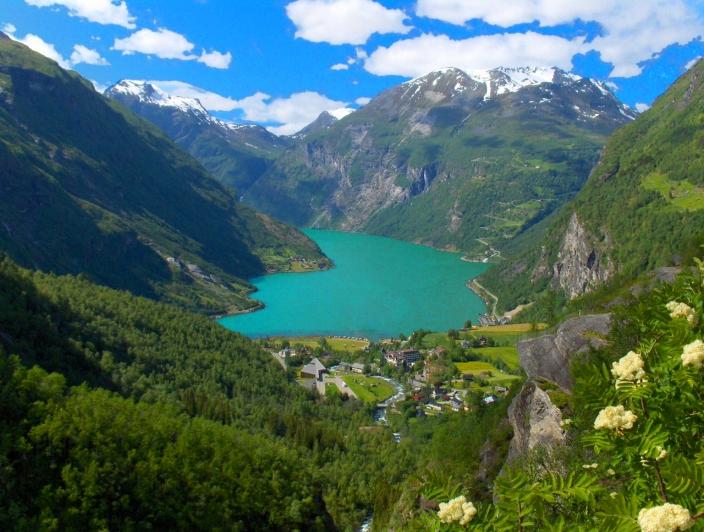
x,y
681,194
369,389
501,333
508,355
336,344
476,368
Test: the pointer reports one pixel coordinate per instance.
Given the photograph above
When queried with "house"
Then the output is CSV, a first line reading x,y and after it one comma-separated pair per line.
x,y
439,350
489,400
434,406
456,405
314,370
357,367
286,353
466,344
405,357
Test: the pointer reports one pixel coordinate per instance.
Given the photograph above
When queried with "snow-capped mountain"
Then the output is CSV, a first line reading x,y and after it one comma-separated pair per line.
x,y
234,153
451,158
150,94
448,84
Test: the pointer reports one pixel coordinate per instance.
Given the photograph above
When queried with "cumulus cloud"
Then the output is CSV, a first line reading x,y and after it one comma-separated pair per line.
x,y
344,21
632,32
340,66
420,55
362,100
83,54
288,115
39,45
642,107
100,11
215,59
168,44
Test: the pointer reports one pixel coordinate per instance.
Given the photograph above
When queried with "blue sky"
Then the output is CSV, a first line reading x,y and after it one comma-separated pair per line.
x,y
282,62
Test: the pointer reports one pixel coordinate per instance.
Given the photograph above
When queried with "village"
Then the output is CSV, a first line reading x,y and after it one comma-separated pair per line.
x,y
424,374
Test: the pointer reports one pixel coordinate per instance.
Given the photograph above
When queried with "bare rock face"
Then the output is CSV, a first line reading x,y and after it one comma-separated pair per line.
x,y
534,418
580,266
549,356
535,421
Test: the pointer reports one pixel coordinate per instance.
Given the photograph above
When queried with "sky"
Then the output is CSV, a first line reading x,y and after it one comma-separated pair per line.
x,y
280,63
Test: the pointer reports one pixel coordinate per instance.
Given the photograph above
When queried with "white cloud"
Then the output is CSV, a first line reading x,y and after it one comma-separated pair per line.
x,y
83,54
362,100
693,62
100,11
216,59
210,100
632,32
39,45
162,43
285,115
9,28
420,55
340,66
344,21
288,114
168,44
642,107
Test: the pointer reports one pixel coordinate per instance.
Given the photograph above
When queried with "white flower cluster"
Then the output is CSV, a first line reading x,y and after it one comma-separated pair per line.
x,y
665,518
693,354
615,418
682,310
629,368
457,509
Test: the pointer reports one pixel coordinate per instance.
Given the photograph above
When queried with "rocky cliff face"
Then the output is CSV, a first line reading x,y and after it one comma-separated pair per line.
x,y
581,264
535,420
549,356
449,159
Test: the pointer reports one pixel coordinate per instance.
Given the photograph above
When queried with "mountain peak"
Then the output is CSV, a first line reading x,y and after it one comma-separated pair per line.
x,y
148,92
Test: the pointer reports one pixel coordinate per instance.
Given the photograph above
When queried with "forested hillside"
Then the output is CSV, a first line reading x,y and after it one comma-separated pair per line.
x,y
89,187
642,207
633,458
450,159
121,412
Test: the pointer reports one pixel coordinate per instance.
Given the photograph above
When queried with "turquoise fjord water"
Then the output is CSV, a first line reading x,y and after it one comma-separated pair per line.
x,y
379,287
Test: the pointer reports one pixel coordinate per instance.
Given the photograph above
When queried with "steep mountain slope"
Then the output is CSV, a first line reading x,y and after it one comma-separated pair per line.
x,y
235,154
452,159
178,424
642,207
88,187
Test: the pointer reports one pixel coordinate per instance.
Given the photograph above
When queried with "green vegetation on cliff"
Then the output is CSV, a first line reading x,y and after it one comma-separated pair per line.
x,y
634,459
122,412
642,207
88,187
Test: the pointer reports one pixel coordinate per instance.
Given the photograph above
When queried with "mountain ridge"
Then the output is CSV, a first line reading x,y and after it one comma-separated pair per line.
x,y
91,188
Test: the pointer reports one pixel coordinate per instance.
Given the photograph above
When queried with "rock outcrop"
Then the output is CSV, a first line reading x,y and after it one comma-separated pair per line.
x,y
581,266
535,420
549,356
